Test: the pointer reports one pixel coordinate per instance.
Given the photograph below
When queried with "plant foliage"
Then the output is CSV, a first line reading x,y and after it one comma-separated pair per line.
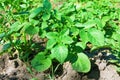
x,y
67,30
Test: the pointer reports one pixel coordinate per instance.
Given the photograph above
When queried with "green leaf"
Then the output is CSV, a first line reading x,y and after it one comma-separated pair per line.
x,y
105,19
58,15
47,5
79,25
26,25
82,64
6,46
113,61
99,23
46,16
116,36
89,24
17,34
74,31
69,8
64,32
34,79
60,52
2,35
81,44
44,25
32,30
42,33
52,35
78,6
66,39
51,43
72,17
118,69
34,22
55,25
96,37
16,26
40,62
84,36
35,12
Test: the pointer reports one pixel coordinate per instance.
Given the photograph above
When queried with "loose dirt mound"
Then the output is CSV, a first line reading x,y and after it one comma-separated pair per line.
x,y
12,69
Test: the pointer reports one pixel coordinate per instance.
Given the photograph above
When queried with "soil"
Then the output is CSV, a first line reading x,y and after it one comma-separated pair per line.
x,y
15,69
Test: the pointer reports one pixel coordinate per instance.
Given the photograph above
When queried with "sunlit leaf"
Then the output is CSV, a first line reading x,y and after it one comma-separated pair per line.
x,y
52,35
46,16
66,39
44,25
60,52
84,36
81,44
99,23
35,12
89,24
82,64
79,25
51,43
96,37
64,32
16,26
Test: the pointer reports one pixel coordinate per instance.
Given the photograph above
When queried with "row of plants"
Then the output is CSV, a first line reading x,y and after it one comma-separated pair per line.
x,y
67,29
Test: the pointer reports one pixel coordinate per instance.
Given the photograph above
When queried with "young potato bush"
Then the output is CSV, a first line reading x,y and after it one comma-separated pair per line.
x,y
67,28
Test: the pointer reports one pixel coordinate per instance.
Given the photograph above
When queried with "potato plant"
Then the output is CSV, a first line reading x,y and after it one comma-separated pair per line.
x,y
67,30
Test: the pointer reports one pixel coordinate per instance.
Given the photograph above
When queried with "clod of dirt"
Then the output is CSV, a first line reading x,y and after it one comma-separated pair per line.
x,y
13,69
68,73
109,73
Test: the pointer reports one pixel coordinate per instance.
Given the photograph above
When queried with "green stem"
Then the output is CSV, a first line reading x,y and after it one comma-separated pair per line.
x,y
56,67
